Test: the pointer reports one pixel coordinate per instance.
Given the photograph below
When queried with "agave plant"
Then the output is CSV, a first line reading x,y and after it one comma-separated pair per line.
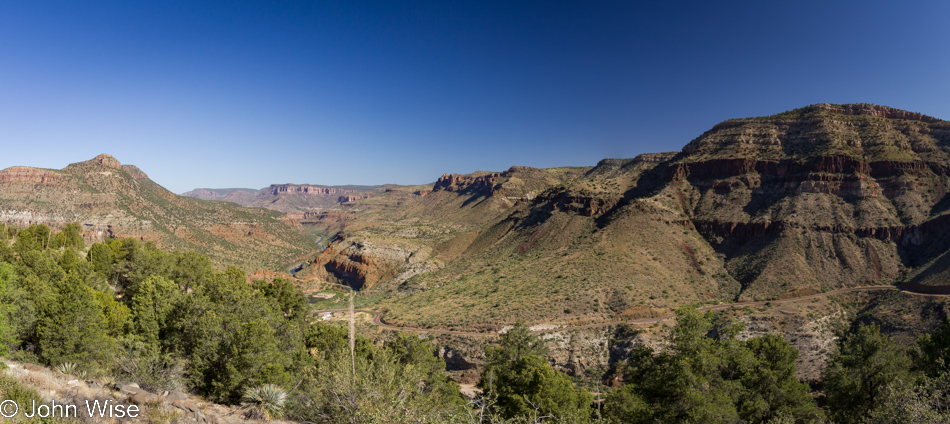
x,y
70,368
265,402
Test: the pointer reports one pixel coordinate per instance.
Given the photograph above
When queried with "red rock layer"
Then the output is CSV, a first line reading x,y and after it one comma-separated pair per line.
x,y
107,160
307,189
354,270
907,235
27,174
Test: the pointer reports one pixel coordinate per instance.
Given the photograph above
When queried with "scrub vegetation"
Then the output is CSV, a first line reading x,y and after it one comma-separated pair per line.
x,y
125,310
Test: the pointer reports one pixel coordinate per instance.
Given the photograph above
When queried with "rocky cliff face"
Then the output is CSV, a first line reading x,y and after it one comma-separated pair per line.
x,y
360,265
459,182
25,174
107,161
848,193
307,190
517,182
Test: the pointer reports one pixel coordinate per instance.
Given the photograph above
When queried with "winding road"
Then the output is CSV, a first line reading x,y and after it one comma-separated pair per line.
x,y
378,317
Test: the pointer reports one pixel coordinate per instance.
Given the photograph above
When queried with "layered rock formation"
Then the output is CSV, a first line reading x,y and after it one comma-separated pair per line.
x,y
25,174
817,198
845,194
290,198
109,200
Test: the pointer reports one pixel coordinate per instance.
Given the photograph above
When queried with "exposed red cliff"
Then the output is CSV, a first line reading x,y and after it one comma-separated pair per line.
x,y
488,183
353,269
107,161
307,189
21,174
459,182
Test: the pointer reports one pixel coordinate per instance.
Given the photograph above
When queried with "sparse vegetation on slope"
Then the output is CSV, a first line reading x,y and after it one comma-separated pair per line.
x,y
111,200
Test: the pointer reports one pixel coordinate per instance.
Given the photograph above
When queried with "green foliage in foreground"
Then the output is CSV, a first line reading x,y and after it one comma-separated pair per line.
x,y
126,310
857,377
520,382
390,380
710,376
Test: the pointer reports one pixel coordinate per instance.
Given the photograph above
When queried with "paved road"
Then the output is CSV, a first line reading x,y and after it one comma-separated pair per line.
x,y
378,317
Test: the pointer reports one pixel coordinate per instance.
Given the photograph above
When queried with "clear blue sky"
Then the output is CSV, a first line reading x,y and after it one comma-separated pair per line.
x,y
246,94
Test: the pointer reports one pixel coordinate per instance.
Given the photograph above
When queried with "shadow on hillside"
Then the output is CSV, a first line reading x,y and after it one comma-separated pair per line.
x,y
650,183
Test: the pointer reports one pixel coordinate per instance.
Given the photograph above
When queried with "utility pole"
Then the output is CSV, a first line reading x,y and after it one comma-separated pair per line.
x,y
352,336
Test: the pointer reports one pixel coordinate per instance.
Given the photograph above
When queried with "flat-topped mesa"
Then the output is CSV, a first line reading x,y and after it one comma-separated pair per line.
x,y
874,110
478,182
21,174
459,182
308,189
866,133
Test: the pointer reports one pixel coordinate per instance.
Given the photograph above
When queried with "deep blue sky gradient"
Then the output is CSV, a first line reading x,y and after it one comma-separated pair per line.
x,y
246,94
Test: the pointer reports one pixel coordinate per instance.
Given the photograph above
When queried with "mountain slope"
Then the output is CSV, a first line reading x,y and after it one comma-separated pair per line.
x,y
113,200
823,196
818,198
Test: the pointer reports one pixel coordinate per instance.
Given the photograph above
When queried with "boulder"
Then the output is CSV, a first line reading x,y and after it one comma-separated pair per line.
x,y
142,398
175,395
128,387
33,367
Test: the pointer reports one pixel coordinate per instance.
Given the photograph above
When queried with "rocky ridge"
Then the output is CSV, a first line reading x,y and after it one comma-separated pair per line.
x,y
109,199
845,195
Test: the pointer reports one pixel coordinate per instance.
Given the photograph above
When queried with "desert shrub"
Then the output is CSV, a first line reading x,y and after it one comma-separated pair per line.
x,y
264,402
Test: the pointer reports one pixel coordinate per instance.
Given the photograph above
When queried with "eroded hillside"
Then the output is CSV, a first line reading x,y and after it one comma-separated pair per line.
x,y
109,199
818,198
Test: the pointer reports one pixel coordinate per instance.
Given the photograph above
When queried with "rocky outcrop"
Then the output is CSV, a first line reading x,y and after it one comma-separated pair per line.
x,y
580,203
107,161
875,110
455,360
516,182
307,190
459,182
934,230
353,267
25,174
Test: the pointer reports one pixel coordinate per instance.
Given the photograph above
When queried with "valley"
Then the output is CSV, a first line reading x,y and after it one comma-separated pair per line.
x,y
804,224
819,201
809,201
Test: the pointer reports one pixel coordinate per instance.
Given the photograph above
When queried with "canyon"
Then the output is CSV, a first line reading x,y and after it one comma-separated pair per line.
x,y
819,198
812,200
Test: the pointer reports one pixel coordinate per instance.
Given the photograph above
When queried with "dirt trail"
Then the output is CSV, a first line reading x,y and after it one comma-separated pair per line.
x,y
379,321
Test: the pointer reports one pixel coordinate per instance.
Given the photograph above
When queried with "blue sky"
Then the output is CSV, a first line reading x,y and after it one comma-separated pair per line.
x,y
246,94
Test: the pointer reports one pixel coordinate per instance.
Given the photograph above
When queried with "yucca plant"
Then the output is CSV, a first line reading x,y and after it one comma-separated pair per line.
x,y
70,368
265,402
